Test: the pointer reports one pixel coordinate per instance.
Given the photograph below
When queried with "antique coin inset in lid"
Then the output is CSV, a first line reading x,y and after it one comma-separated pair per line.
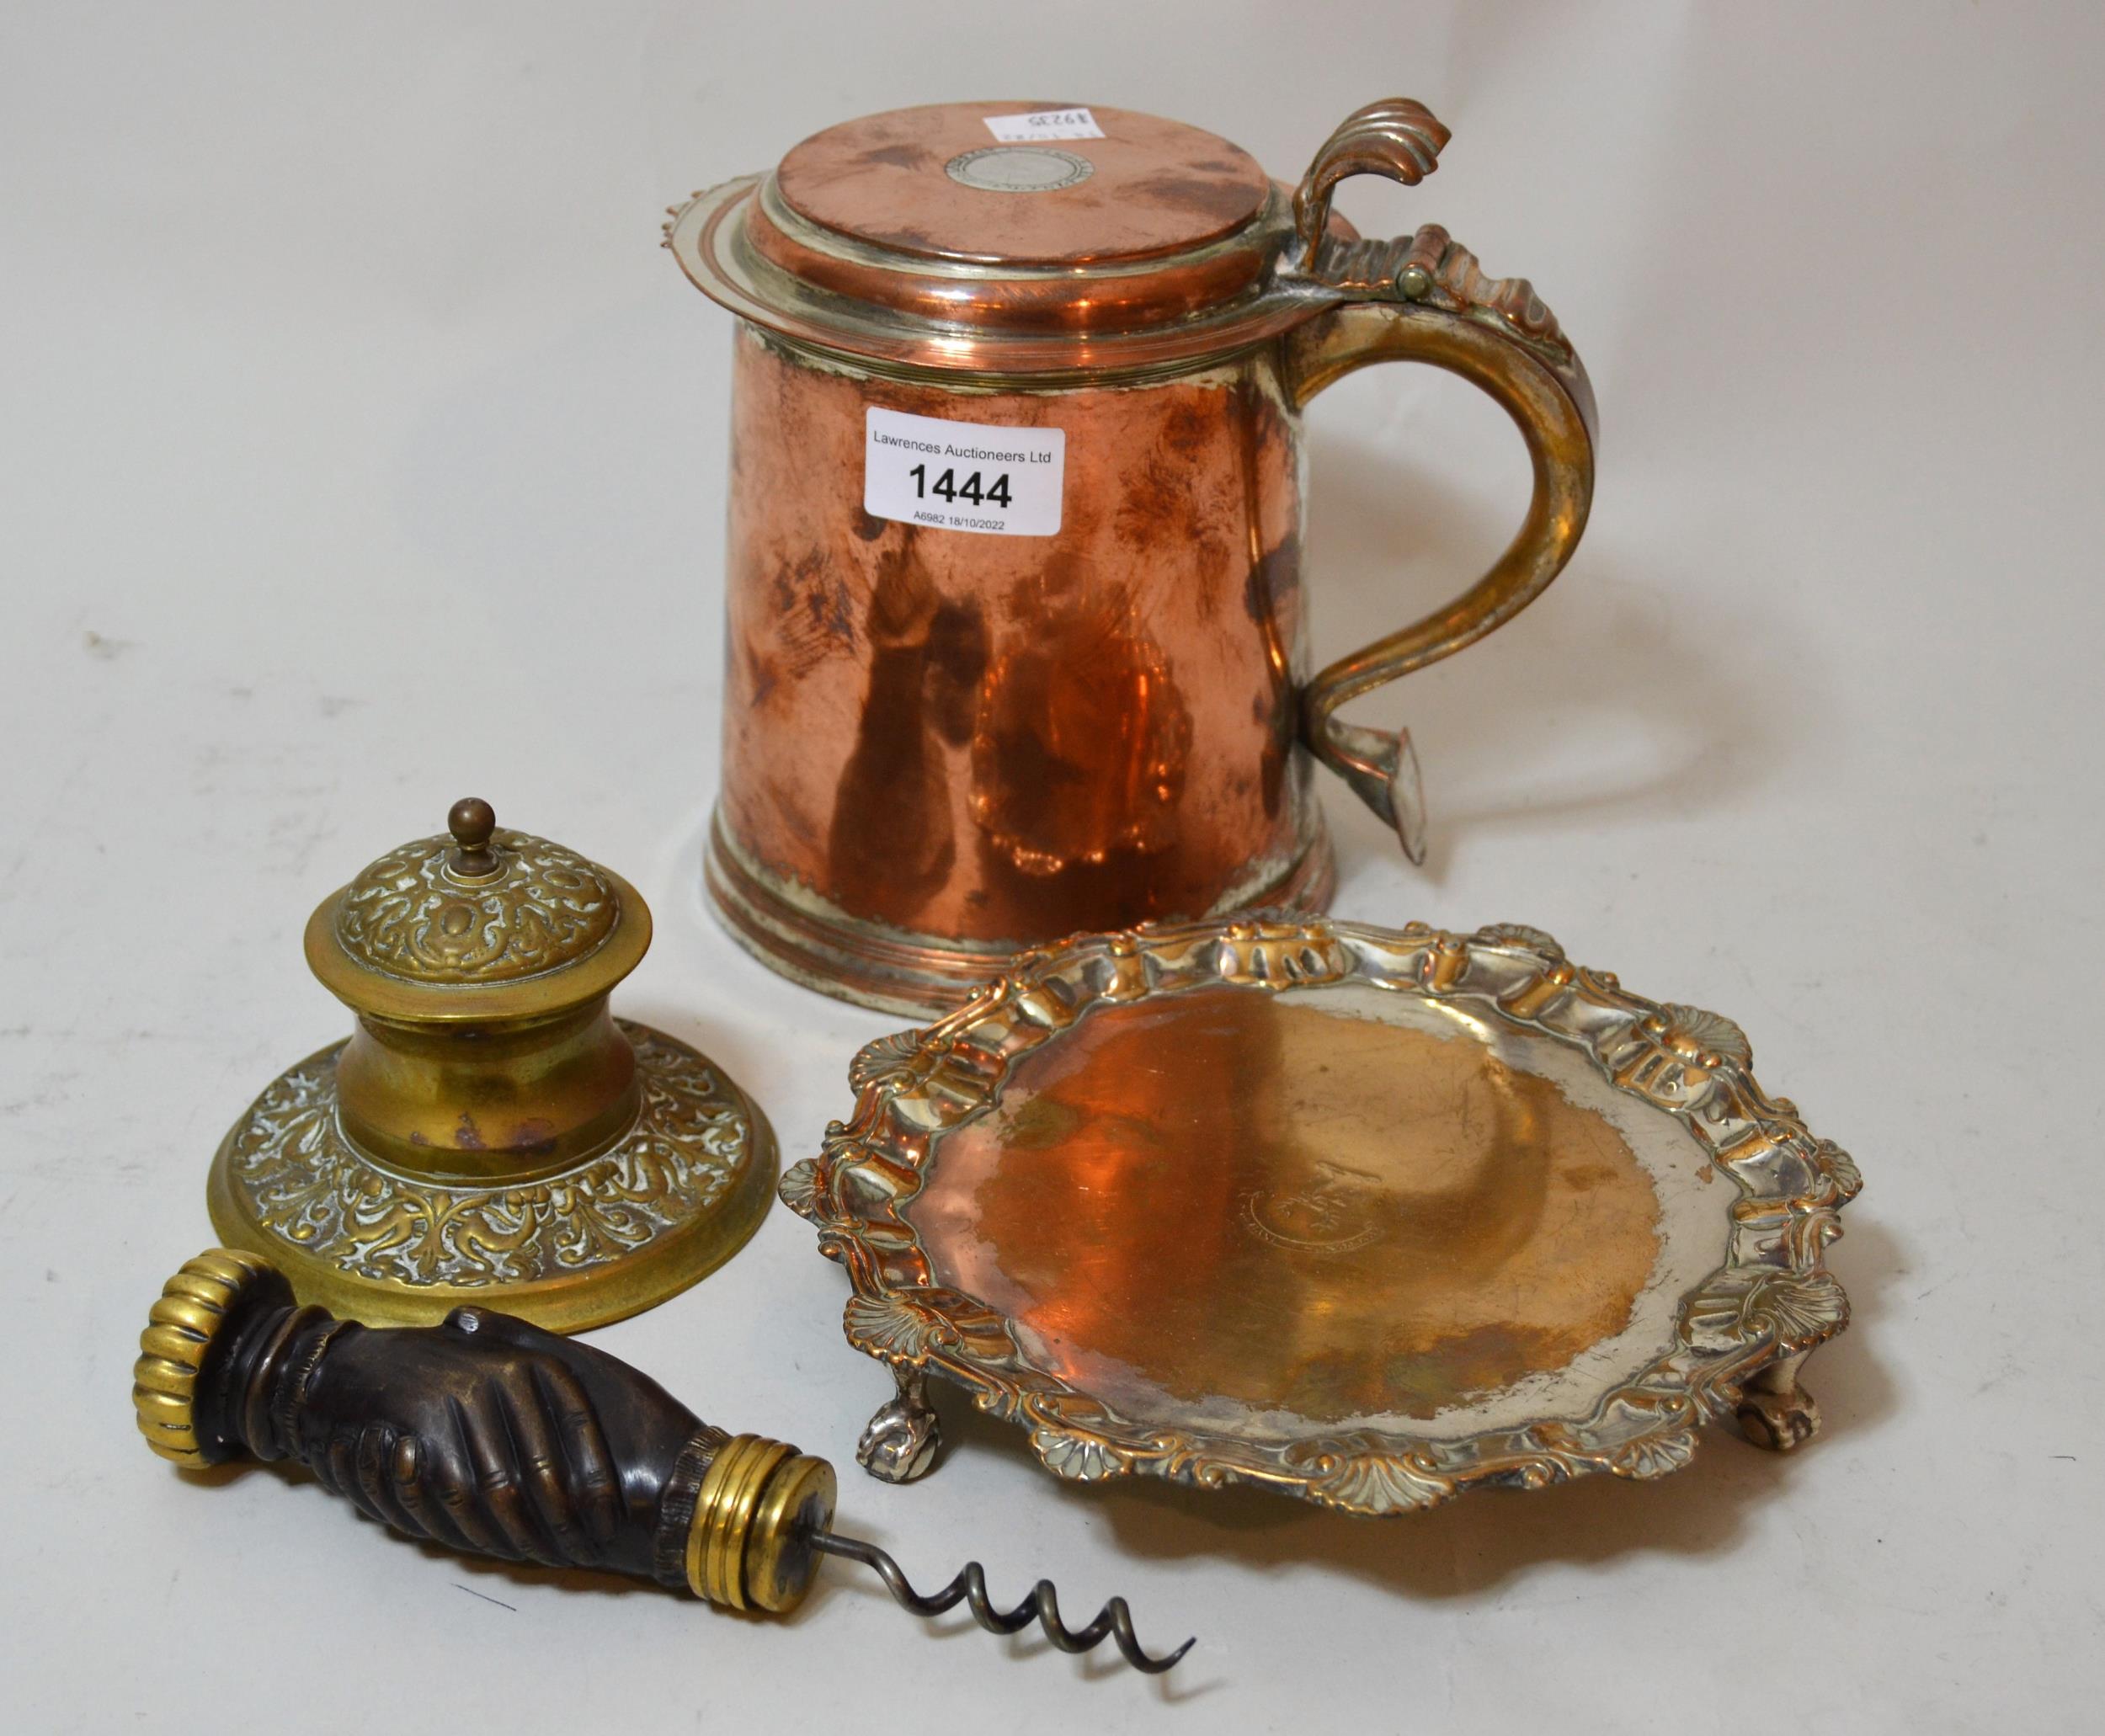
x,y
1365,1216
490,1132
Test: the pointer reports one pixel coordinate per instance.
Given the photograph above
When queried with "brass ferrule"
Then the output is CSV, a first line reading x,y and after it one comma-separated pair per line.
x,y
749,1546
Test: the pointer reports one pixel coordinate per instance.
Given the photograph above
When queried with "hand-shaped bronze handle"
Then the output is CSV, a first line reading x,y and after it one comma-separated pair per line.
x,y
1423,298
484,1434
487,1435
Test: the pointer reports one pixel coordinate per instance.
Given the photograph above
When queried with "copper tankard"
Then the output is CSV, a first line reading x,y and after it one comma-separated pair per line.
x,y
1015,629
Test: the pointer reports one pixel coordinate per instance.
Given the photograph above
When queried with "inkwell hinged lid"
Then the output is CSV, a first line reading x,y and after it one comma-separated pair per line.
x,y
490,1132
479,923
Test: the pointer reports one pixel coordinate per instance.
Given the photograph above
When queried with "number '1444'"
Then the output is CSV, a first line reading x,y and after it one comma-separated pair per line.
x,y
947,486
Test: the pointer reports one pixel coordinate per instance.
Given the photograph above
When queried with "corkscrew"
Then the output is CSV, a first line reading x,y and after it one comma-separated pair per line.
x,y
488,1435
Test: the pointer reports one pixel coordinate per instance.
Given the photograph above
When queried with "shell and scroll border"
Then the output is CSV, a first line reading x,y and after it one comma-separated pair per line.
x,y
1772,1298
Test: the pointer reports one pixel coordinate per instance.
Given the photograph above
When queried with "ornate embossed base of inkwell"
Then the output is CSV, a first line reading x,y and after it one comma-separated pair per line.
x,y
490,1132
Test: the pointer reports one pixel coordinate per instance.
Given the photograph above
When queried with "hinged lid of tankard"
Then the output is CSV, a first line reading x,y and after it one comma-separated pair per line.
x,y
480,922
1016,238
916,181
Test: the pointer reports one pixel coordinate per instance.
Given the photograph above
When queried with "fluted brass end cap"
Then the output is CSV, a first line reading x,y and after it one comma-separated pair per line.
x,y
180,1329
760,1504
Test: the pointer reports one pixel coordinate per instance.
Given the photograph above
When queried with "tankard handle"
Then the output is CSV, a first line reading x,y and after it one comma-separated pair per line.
x,y
1423,298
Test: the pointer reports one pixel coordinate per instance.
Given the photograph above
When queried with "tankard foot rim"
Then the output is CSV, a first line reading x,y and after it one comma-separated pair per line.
x,y
798,935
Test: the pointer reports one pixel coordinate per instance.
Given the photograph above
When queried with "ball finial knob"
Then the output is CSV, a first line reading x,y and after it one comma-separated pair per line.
x,y
472,822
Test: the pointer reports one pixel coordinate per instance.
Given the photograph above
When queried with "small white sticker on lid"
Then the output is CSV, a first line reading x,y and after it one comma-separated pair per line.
x,y
1046,123
962,476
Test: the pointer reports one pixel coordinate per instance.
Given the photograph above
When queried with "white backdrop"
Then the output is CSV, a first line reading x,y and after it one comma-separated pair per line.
x,y
361,449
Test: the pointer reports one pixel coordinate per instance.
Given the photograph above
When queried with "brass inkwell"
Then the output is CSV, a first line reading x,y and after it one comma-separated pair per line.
x,y
490,1132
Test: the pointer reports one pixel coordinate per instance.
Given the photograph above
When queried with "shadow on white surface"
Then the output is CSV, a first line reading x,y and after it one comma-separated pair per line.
x,y
1488,1539
1484,1541
1625,692
498,1582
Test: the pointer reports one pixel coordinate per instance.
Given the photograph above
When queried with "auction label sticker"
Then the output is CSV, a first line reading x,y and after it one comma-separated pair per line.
x,y
1046,123
962,476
